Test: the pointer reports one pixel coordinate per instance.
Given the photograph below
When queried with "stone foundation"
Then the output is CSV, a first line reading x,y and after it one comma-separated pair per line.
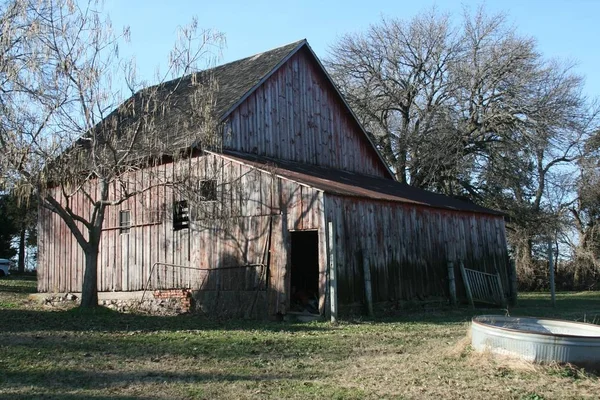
x,y
157,302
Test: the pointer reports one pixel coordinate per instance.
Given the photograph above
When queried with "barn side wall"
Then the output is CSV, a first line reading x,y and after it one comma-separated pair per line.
x,y
408,248
297,115
256,211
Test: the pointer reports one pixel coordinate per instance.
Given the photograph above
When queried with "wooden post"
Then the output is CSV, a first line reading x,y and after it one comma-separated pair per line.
x,y
501,290
551,267
332,275
323,261
452,283
513,282
467,286
368,292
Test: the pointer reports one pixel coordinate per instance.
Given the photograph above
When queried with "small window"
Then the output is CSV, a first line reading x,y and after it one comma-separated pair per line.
x,y
124,221
181,215
208,190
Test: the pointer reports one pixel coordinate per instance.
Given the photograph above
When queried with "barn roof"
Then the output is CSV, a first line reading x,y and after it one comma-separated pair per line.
x,y
235,81
173,126
345,183
238,78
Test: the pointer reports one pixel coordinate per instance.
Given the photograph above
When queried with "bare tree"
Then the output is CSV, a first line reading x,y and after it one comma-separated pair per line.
x,y
67,137
396,78
471,110
585,213
531,178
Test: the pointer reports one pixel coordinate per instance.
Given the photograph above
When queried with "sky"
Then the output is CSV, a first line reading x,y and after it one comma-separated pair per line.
x,y
563,29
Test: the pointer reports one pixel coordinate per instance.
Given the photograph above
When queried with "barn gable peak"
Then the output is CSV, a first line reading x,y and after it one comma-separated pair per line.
x,y
253,72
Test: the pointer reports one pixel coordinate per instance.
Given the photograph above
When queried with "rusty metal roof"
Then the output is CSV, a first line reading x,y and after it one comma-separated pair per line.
x,y
344,183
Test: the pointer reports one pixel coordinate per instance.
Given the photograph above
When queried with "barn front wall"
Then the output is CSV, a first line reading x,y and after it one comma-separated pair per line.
x,y
407,248
235,256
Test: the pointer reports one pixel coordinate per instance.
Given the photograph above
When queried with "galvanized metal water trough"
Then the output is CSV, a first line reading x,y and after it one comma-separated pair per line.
x,y
538,340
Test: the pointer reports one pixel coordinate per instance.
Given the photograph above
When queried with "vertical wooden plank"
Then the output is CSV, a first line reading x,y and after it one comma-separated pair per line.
x,y
452,283
42,250
295,206
367,284
322,232
333,293
124,259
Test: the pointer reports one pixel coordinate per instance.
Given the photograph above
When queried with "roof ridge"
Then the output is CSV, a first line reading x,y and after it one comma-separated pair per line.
x,y
220,66
296,43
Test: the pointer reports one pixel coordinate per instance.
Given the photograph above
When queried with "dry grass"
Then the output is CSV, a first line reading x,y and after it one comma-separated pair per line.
x,y
67,354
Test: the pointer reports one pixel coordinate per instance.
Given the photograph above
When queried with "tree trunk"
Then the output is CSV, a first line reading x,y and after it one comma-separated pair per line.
x,y
577,274
21,267
89,292
525,268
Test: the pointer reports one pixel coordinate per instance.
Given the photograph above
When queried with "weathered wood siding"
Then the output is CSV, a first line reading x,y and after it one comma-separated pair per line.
x,y
257,211
297,115
407,248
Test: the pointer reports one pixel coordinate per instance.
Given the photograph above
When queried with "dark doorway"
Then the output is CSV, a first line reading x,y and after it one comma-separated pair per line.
x,y
304,291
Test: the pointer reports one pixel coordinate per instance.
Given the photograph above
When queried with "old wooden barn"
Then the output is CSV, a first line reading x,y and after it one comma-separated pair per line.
x,y
294,162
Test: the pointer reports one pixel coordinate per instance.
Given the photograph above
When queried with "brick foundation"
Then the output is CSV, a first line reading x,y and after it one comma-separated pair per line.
x,y
184,296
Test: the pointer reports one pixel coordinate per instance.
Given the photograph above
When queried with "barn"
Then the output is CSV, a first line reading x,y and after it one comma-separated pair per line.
x,y
307,214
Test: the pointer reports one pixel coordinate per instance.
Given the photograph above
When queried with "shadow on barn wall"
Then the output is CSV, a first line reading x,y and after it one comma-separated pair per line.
x,y
234,289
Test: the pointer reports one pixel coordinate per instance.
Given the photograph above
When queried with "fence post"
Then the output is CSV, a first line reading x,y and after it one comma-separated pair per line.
x,y
467,286
551,267
501,290
512,265
452,283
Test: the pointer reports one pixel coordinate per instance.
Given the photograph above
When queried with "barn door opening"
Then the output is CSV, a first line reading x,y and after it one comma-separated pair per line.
x,y
304,290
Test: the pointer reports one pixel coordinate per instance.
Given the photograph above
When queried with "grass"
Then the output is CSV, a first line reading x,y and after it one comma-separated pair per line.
x,y
50,353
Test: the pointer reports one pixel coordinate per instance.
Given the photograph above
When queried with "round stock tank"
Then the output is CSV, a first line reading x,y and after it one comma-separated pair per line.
x,y
538,340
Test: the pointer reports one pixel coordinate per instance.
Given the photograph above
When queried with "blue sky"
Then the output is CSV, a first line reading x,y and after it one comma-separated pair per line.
x,y
565,29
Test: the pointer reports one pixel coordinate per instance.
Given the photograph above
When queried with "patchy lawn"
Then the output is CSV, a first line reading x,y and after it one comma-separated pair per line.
x,y
68,354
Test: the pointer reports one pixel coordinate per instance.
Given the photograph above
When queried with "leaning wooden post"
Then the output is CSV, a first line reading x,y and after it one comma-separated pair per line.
x,y
501,290
551,267
368,292
467,286
513,282
332,275
452,284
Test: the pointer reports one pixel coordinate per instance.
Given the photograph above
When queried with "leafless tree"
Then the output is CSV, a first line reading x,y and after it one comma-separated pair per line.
x,y
396,77
67,136
585,213
472,110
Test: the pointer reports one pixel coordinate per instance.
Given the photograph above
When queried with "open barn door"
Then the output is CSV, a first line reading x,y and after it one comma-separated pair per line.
x,y
304,286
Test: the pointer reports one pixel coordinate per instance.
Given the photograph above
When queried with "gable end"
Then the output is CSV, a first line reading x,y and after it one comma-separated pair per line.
x,y
296,113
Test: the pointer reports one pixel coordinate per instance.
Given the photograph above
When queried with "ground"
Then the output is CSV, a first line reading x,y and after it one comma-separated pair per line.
x,y
47,352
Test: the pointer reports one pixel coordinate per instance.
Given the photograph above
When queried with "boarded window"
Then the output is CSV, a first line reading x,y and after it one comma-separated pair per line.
x,y
124,221
181,215
208,190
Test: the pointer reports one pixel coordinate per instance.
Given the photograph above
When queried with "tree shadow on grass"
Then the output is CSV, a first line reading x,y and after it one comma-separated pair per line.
x,y
571,306
69,379
66,396
105,320
17,286
148,348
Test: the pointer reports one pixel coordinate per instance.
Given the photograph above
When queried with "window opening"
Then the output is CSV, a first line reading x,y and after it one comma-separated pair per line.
x,y
208,190
124,221
181,215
